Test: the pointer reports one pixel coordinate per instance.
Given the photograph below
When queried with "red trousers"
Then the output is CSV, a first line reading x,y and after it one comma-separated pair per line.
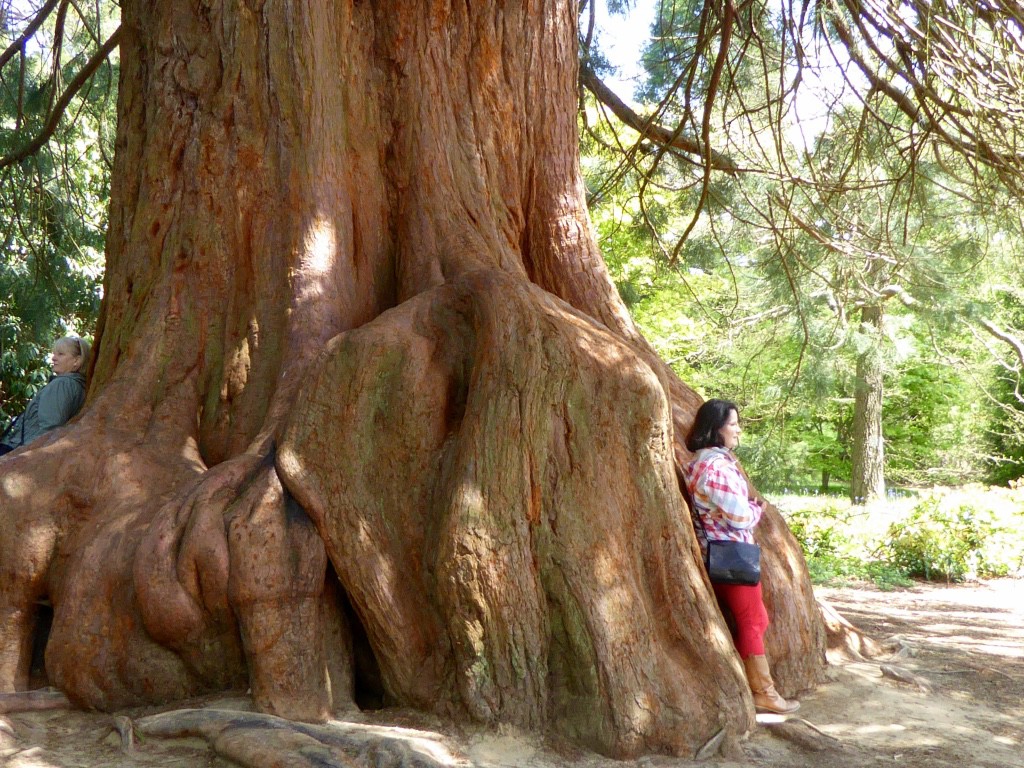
x,y
751,616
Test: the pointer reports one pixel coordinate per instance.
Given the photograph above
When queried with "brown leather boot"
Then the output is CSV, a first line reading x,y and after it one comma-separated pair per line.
x,y
766,698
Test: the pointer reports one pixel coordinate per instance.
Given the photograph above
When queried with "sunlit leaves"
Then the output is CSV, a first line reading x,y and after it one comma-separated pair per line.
x,y
53,203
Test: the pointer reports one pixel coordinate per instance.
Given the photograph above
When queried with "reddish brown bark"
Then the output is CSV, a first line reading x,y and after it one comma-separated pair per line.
x,y
358,348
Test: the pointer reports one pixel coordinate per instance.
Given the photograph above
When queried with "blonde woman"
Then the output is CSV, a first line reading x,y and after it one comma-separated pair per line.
x,y
58,401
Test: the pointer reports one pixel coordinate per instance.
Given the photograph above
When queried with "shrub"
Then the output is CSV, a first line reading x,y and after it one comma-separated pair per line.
x,y
945,534
935,544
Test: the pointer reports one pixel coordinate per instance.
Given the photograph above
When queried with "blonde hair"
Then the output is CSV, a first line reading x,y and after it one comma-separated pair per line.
x,y
76,346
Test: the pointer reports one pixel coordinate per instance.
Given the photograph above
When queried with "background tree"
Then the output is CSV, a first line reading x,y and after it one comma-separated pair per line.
x,y
884,208
1001,319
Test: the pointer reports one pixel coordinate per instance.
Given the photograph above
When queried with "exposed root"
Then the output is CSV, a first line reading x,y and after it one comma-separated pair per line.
x,y
804,734
452,422
898,647
123,726
902,676
33,701
845,641
266,741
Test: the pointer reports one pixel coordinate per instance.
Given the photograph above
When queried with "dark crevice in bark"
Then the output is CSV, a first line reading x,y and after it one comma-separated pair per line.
x,y
368,684
40,636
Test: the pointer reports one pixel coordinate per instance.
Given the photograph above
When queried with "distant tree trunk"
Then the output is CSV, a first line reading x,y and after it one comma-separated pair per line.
x,y
826,476
361,372
868,480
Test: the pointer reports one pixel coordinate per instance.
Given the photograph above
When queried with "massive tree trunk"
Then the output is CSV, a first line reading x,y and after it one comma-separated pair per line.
x,y
868,471
361,373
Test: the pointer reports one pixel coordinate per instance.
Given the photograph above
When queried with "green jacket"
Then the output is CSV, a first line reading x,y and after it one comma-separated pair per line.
x,y
52,407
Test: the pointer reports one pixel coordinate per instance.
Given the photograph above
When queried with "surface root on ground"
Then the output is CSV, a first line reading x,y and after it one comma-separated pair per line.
x,y
266,741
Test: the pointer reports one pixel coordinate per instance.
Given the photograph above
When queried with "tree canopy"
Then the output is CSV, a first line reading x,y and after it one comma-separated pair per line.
x,y
826,231
920,99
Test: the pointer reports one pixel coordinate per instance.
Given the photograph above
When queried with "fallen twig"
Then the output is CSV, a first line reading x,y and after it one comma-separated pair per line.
x,y
126,730
711,746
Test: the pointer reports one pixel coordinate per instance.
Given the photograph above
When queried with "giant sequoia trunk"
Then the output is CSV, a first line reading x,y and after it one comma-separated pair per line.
x,y
361,372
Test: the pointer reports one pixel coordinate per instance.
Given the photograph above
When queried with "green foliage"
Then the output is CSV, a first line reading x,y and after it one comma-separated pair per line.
x,y
946,534
53,203
932,416
1004,409
830,548
681,53
771,322
939,544
839,571
762,297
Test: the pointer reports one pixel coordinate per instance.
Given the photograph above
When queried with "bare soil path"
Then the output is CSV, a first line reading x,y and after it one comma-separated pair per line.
x,y
948,691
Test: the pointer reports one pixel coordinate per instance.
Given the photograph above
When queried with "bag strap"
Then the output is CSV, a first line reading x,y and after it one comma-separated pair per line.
x,y
696,516
684,489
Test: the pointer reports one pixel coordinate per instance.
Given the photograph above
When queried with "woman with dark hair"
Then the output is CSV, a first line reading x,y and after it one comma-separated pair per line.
x,y
725,512
55,403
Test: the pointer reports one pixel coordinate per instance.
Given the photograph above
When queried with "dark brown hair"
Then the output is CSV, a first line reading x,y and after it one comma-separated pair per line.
x,y
710,418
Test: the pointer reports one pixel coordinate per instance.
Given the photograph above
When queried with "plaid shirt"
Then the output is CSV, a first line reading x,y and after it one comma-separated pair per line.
x,y
721,498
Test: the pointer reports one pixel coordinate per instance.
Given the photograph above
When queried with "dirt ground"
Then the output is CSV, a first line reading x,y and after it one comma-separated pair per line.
x,y
949,691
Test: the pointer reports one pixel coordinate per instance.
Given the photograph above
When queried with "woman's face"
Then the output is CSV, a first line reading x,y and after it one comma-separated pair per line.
x,y
730,432
64,361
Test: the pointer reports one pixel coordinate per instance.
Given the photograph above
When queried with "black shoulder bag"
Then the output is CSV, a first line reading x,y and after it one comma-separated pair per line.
x,y
730,562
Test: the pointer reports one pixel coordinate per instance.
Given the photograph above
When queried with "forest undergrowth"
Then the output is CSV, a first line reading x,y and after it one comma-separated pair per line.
x,y
937,534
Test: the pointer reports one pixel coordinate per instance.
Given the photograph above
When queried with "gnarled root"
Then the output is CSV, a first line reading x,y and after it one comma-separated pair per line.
x,y
265,741
492,474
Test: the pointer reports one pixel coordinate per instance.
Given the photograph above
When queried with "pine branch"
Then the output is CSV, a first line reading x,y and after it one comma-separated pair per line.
x,y
87,71
1016,344
37,21
649,129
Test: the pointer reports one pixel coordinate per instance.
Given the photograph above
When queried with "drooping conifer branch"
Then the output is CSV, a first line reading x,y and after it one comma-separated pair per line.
x,y
648,129
61,104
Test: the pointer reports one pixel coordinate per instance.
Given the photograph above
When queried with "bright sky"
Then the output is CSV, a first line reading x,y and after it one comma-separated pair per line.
x,y
622,39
